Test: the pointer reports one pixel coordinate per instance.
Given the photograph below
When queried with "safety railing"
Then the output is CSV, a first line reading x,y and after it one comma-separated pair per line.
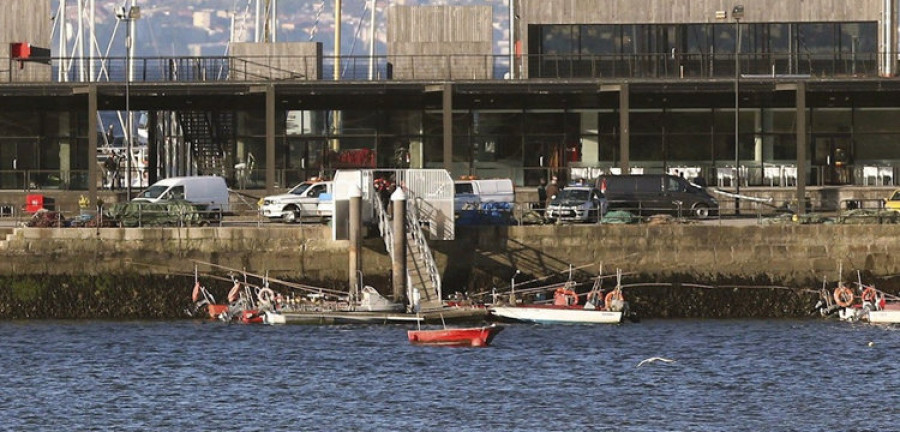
x,y
453,67
414,226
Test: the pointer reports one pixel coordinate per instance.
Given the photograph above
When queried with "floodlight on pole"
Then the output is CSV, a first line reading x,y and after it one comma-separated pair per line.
x,y
737,13
128,16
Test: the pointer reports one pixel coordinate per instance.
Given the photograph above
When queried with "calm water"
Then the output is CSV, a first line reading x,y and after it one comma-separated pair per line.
x,y
728,375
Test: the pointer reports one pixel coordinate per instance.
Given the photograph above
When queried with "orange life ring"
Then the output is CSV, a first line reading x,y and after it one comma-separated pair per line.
x,y
611,296
574,296
868,294
843,296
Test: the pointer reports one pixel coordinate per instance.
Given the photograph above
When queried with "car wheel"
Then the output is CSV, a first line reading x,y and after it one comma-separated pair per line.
x,y
290,215
701,211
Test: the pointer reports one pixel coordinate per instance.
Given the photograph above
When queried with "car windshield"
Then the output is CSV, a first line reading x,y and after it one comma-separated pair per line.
x,y
574,195
153,192
300,188
895,196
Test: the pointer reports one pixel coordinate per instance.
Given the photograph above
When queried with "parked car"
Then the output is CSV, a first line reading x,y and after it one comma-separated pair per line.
x,y
577,204
648,194
307,199
472,193
893,202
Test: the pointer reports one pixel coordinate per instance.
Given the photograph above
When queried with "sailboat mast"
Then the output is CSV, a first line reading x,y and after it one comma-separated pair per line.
x,y
79,48
273,21
256,24
92,36
337,39
336,115
61,21
372,42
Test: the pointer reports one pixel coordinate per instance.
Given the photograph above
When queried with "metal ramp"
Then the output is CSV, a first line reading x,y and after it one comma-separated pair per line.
x,y
429,208
421,269
208,132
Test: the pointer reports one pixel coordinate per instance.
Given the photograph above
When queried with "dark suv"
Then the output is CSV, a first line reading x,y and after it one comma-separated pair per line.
x,y
648,194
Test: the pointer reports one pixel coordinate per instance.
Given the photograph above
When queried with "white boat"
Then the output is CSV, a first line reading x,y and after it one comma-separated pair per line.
x,y
550,314
866,304
884,316
597,309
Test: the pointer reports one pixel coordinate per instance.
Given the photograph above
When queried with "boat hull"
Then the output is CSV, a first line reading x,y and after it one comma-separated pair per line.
x,y
450,314
337,317
216,309
556,315
883,317
473,336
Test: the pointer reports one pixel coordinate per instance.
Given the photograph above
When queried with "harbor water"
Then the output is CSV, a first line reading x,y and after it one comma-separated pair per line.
x,y
727,375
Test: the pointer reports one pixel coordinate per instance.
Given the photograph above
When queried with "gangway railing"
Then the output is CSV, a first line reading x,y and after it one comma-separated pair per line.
x,y
419,244
414,226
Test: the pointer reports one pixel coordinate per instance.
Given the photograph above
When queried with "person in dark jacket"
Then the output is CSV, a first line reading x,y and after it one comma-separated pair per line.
x,y
542,194
553,189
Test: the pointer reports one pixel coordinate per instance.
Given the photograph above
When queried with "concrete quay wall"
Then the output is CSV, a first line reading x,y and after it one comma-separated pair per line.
x,y
794,255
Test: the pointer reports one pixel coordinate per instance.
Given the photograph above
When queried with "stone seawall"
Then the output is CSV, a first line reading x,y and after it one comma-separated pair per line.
x,y
791,254
664,262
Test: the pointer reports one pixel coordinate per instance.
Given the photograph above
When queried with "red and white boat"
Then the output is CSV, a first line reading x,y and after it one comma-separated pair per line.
x,y
566,309
470,336
867,304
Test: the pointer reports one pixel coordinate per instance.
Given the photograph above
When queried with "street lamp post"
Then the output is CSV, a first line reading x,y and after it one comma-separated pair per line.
x,y
128,16
737,13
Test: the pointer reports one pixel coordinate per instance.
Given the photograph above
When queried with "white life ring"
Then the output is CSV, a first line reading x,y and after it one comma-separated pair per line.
x,y
265,295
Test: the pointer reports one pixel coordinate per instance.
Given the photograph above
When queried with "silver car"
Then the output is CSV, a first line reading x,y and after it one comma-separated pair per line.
x,y
577,204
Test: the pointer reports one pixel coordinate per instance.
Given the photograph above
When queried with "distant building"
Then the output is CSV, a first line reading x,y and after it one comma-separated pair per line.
x,y
201,19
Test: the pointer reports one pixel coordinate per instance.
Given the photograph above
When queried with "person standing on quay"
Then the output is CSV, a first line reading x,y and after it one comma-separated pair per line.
x,y
553,189
542,194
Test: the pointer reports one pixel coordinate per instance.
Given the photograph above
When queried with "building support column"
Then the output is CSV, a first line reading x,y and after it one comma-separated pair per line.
x,y
92,141
624,130
448,127
152,146
590,141
355,241
270,139
802,146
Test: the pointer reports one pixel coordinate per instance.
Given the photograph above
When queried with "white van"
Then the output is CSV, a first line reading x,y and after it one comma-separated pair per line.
x,y
209,192
307,199
473,193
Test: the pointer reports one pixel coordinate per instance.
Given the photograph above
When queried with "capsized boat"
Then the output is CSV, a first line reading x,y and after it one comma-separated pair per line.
x,y
202,298
566,309
468,336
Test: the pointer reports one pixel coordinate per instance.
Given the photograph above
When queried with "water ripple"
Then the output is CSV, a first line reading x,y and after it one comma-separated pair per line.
x,y
192,375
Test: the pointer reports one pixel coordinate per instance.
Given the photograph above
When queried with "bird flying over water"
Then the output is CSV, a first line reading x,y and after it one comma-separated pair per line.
x,y
653,359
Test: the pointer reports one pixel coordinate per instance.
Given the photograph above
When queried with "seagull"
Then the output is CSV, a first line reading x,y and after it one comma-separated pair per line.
x,y
653,359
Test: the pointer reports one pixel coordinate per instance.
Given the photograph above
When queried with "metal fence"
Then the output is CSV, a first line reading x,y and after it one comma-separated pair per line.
x,y
454,67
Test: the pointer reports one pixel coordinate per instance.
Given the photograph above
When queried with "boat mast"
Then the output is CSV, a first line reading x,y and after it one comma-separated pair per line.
x,y
79,48
92,37
372,42
336,115
61,75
